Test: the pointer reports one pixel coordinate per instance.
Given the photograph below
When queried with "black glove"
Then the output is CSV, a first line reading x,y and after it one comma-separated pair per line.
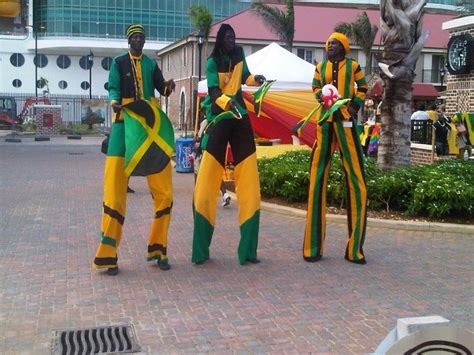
x,y
319,96
260,79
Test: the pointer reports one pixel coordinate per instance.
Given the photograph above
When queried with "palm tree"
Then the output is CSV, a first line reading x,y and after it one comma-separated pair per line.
x,y
201,18
362,33
282,23
403,41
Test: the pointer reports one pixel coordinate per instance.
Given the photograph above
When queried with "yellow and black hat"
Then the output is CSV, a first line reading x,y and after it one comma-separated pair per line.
x,y
132,29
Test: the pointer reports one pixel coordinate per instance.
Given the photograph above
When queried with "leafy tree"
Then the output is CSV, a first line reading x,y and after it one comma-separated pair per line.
x,y
362,33
466,7
201,18
282,23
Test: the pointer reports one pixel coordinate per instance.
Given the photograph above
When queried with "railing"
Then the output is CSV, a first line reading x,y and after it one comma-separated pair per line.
x,y
71,110
421,131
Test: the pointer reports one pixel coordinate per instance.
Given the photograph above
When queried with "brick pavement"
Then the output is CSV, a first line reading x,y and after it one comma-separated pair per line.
x,y
50,198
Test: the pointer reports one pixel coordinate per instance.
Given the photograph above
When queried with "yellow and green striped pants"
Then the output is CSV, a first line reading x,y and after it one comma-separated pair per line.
x,y
115,201
330,136
239,133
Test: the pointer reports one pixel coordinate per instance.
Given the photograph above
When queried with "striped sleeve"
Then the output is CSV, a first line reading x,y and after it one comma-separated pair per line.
x,y
362,87
316,84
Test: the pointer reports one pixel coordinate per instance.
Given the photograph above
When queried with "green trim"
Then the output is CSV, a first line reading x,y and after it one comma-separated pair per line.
x,y
318,179
117,140
202,237
323,72
249,238
109,241
352,176
347,81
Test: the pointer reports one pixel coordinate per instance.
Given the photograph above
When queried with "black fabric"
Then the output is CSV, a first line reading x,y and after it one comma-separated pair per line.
x,y
154,161
238,133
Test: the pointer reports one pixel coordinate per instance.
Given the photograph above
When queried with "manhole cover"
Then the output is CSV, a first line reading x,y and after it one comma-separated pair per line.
x,y
112,339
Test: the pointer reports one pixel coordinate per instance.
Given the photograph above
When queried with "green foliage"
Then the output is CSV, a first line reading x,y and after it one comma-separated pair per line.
x,y
279,22
438,190
286,176
201,18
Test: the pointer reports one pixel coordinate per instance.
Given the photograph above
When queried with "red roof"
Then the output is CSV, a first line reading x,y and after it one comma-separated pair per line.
x,y
314,24
420,91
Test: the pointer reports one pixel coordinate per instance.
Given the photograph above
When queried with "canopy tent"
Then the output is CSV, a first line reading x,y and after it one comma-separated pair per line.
x,y
289,99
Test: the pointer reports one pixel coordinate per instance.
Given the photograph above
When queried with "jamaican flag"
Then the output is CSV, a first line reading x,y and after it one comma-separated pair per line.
x,y
149,138
259,95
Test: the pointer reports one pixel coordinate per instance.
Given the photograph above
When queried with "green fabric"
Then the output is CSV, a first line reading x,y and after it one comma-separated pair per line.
x,y
114,82
202,237
249,238
326,114
352,176
259,95
108,241
117,140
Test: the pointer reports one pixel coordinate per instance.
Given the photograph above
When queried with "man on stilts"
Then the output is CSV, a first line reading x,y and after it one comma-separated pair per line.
x,y
141,142
338,131
226,71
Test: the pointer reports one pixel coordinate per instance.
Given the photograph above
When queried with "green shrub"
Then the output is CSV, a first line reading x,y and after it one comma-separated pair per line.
x,y
438,190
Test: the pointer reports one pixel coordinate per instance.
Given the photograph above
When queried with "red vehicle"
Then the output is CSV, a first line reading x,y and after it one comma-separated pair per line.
x,y
8,111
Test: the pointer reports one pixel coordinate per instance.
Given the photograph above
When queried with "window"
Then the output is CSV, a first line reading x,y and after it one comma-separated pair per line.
x,y
168,62
17,59
106,63
40,60
85,85
185,56
306,54
62,84
16,83
85,63
63,61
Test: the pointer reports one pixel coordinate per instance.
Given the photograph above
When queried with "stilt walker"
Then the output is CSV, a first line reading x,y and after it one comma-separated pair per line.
x,y
337,131
226,71
141,143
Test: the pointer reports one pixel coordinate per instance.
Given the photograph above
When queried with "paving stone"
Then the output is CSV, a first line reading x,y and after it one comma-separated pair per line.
x,y
49,231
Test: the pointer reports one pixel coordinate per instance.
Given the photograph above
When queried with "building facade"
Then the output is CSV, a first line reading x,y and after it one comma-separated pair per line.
x,y
313,24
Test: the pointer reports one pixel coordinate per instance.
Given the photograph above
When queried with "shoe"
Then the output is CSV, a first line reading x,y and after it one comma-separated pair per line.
x,y
112,271
360,262
226,200
163,265
129,190
253,261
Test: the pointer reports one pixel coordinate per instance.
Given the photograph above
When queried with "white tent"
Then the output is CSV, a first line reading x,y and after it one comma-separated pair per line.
x,y
276,63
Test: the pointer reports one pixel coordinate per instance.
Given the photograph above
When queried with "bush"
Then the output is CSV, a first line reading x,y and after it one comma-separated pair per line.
x,y
439,190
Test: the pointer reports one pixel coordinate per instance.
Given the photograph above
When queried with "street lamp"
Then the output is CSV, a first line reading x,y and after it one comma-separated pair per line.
x,y
200,42
90,61
35,28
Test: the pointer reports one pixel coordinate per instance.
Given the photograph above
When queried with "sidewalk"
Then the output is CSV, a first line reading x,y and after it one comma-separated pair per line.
x,y
51,197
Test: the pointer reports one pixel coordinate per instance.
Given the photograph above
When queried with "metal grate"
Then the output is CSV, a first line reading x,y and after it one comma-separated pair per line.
x,y
116,339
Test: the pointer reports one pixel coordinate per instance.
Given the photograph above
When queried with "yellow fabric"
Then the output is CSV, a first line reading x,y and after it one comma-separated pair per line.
x,y
341,38
230,82
247,187
251,81
279,149
452,139
208,181
9,8
223,102
137,64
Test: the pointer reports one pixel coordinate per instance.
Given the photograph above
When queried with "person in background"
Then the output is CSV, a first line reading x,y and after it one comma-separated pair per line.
x,y
420,114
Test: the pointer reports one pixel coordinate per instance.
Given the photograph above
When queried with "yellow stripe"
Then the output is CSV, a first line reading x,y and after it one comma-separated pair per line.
x,y
207,187
247,187
234,81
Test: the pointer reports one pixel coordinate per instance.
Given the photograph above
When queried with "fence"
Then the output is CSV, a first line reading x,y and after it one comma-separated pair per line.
x,y
71,106
421,131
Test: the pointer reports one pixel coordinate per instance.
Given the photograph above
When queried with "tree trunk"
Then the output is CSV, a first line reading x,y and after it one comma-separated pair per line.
x,y
403,41
394,149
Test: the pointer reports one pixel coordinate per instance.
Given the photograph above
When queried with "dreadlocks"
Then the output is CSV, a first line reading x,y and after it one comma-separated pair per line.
x,y
217,51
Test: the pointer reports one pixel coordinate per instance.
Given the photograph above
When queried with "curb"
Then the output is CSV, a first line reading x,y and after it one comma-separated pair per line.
x,y
374,222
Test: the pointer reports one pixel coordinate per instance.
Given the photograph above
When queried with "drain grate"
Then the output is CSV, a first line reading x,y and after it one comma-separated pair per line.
x,y
116,339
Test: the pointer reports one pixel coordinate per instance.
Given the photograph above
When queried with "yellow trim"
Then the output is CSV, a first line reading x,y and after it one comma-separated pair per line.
x,y
251,81
247,187
223,102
